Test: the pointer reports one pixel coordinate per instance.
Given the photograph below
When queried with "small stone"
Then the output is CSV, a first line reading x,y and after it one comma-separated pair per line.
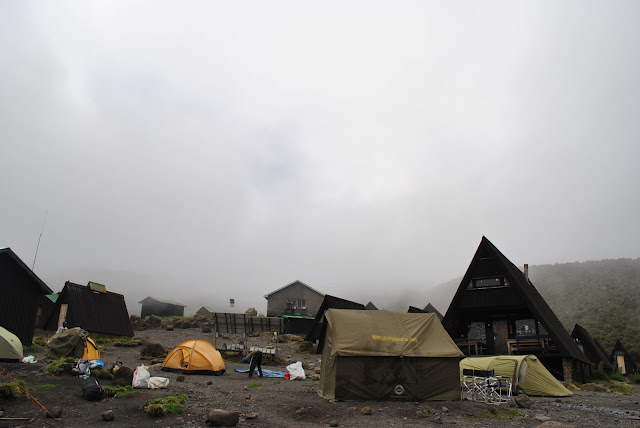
x,y
437,420
316,370
444,409
251,416
334,424
180,378
108,415
366,410
210,382
542,418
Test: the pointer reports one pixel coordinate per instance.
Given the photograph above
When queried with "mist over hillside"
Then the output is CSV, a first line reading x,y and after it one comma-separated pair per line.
x,y
602,296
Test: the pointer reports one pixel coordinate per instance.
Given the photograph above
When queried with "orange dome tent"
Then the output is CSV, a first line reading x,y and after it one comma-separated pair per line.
x,y
194,357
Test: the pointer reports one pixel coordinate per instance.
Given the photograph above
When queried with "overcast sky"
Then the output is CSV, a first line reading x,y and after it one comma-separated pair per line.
x,y
202,151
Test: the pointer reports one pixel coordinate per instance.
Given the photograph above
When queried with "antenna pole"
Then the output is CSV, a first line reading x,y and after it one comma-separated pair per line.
x,y
39,238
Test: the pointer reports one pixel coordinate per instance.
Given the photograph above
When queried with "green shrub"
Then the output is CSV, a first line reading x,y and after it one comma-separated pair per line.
x,y
254,385
618,376
117,391
599,375
56,366
11,391
634,378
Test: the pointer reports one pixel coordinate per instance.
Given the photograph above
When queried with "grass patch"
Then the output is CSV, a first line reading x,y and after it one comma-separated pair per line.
x,y
11,391
171,405
101,374
634,378
118,341
304,348
423,414
623,388
117,391
39,341
44,386
499,414
617,377
56,366
254,385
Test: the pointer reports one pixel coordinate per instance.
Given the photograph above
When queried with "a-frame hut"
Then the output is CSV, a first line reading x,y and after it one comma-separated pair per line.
x,y
497,311
370,307
22,296
621,358
319,325
430,309
591,348
92,308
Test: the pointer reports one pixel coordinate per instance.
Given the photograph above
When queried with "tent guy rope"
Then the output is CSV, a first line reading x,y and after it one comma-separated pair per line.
x,y
33,399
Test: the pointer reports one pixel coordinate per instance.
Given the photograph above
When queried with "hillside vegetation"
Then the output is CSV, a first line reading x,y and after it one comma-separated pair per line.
x,y
602,296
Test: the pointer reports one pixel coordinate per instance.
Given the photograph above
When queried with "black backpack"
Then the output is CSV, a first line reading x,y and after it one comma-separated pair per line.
x,y
91,389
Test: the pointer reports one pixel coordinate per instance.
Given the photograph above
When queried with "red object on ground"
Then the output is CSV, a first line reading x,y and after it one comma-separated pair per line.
x,y
286,376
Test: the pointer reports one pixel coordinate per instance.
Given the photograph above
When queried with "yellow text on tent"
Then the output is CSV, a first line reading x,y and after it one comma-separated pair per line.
x,y
394,339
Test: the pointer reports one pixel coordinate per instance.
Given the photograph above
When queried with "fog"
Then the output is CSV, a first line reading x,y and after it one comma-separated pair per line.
x,y
204,151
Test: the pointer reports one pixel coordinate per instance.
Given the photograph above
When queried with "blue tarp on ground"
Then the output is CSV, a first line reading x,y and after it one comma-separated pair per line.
x,y
266,373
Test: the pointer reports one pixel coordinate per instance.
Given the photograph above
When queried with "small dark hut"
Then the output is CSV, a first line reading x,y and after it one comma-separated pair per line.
x,y
319,325
623,361
497,311
161,308
370,307
591,348
92,308
22,295
430,309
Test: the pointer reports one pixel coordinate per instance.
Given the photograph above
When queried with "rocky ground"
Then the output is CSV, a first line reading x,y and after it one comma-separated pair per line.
x,y
269,402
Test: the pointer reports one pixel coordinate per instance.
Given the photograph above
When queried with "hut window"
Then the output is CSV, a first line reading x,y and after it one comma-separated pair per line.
x,y
477,331
488,282
526,328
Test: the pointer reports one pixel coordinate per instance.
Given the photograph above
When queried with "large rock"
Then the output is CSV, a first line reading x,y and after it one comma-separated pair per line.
x,y
152,321
125,373
108,415
523,401
595,387
153,349
223,418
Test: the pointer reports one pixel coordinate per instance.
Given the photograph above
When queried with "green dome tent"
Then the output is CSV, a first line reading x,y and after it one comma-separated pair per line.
x,y
526,371
10,345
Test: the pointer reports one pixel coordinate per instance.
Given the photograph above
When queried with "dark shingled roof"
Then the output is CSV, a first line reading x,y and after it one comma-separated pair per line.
x,y
93,311
527,292
370,307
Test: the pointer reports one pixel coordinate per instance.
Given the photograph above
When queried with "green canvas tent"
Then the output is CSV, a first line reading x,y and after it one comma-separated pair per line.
x,y
526,371
382,355
10,345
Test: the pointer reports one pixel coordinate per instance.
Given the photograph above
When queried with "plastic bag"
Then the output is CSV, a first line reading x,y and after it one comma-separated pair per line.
x,y
156,382
296,371
29,359
82,369
141,377
94,364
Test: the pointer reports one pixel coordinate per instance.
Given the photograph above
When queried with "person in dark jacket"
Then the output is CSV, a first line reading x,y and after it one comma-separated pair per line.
x,y
255,361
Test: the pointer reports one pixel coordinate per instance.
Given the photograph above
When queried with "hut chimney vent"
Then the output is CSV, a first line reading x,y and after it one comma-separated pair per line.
x,y
526,272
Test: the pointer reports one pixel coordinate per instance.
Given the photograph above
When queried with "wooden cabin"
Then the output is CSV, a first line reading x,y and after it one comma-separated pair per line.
x,y
497,311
